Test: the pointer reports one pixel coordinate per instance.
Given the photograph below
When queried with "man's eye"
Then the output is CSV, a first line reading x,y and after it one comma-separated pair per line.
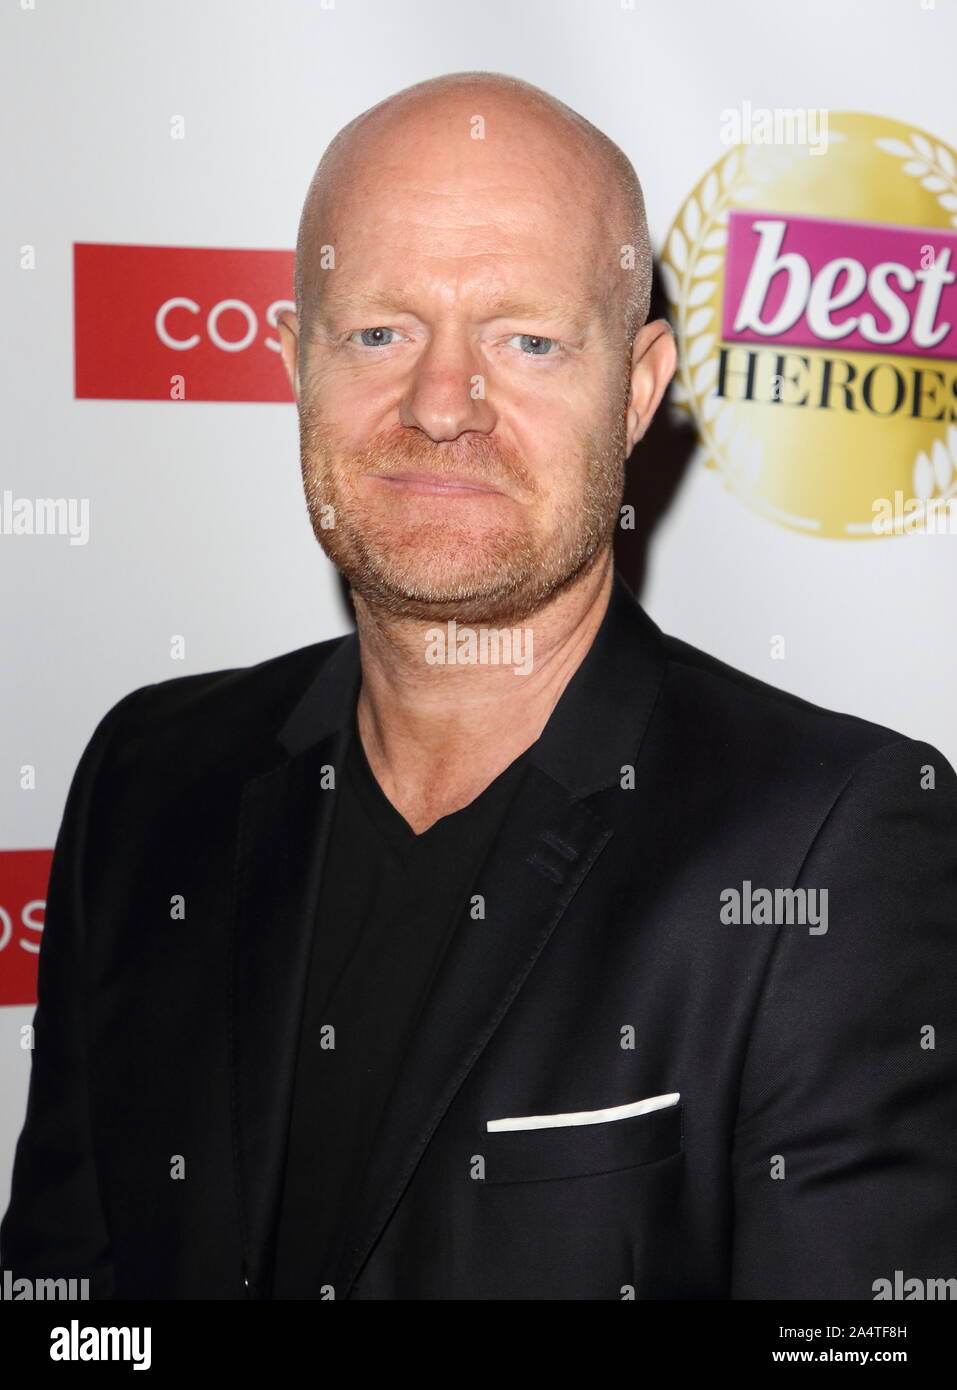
x,y
374,337
532,345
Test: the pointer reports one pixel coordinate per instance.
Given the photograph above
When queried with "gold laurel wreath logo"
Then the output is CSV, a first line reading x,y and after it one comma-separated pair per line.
x,y
694,255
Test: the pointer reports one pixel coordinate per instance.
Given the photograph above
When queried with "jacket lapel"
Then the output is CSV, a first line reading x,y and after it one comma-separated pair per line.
x,y
284,824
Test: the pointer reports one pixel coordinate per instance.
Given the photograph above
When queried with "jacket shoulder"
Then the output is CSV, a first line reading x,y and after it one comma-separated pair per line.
x,y
762,722
218,711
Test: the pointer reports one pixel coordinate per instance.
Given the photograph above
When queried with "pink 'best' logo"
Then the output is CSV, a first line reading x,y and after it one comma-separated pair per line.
x,y
816,281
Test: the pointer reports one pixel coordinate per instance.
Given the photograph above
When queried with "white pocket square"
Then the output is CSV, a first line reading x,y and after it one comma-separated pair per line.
x,y
586,1117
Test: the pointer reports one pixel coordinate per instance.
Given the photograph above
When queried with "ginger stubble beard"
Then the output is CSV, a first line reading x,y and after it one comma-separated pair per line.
x,y
439,569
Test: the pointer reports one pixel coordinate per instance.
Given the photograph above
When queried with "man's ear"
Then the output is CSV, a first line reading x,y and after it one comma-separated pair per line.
x,y
653,361
288,326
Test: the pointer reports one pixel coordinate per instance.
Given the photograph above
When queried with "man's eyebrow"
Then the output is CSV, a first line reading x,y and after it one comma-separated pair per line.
x,y
397,301
334,302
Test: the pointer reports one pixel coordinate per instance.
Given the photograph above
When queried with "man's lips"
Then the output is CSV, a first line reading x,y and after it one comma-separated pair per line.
x,y
438,484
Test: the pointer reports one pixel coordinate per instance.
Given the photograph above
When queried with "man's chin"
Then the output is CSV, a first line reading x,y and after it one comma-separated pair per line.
x,y
503,594
436,592
439,575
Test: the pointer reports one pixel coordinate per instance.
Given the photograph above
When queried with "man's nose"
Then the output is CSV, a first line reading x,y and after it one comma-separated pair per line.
x,y
446,393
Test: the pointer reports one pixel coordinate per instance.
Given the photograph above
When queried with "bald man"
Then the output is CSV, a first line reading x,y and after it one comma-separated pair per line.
x,y
518,950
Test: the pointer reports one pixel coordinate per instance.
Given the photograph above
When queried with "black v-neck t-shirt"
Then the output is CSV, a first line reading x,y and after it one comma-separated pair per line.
x,y
389,902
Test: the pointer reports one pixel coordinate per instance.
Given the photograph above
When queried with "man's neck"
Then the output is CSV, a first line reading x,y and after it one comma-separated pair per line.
x,y
437,733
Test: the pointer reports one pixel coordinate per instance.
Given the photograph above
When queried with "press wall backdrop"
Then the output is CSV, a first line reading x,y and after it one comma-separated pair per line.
x,y
794,507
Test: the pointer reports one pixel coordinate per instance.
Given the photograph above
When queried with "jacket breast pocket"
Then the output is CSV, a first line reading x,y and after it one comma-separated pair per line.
x,y
575,1151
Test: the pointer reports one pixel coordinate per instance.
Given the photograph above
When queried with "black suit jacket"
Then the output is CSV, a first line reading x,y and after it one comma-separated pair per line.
x,y
812,1151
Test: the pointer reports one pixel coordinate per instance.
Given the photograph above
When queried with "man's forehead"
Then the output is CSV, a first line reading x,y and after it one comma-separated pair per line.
x,y
464,208
526,182
393,262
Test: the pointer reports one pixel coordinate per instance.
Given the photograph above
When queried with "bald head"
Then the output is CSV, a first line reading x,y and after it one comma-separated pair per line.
x,y
473,130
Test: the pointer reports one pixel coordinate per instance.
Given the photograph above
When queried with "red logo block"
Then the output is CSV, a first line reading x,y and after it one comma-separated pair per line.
x,y
24,875
180,323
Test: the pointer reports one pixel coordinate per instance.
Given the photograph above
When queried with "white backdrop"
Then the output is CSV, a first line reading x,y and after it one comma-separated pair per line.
x,y
197,521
